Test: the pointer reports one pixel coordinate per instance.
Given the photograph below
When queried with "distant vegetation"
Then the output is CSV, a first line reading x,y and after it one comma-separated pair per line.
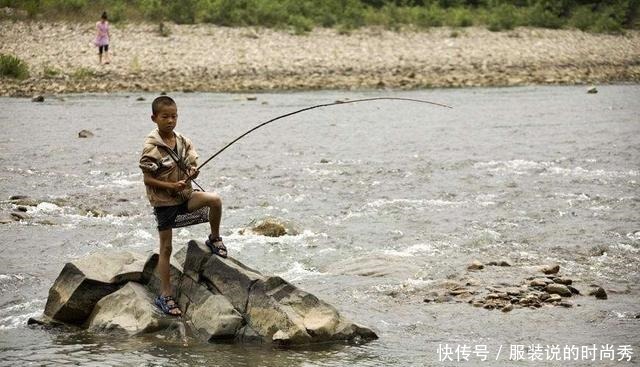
x,y
12,67
304,15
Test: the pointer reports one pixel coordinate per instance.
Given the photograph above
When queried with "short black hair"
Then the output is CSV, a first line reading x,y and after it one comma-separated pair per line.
x,y
104,15
161,101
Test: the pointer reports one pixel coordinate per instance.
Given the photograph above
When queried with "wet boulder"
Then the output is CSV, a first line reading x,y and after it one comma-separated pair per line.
x,y
82,283
221,299
129,309
211,313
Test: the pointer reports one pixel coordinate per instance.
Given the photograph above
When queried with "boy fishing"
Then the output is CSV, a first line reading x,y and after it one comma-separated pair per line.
x,y
169,163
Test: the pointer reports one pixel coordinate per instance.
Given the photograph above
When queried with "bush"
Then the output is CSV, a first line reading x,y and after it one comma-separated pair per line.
x,y
502,17
586,19
460,17
539,16
433,16
11,66
50,72
83,73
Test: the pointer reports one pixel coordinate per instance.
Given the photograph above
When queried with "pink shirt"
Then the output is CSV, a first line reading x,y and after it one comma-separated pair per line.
x,y
102,38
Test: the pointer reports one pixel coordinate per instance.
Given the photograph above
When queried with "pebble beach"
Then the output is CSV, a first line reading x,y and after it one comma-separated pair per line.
x,y
208,58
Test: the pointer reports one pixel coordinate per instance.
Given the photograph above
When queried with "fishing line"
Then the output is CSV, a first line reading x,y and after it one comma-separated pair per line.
x,y
311,108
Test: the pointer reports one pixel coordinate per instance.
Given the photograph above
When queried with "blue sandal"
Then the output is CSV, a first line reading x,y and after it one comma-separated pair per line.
x,y
217,246
168,305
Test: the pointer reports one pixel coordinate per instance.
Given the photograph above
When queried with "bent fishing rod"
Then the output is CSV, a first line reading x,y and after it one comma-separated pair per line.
x,y
311,108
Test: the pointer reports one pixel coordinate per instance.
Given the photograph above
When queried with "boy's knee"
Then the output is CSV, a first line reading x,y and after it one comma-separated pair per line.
x,y
215,201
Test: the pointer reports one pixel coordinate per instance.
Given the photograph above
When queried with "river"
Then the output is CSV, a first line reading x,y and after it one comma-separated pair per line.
x,y
386,198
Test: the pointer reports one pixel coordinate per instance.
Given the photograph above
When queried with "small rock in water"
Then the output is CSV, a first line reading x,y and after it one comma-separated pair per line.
x,y
555,288
539,282
599,293
573,290
551,269
565,281
37,99
324,160
19,216
270,228
566,304
475,265
507,308
252,98
553,298
163,93
85,134
140,99
22,208
592,90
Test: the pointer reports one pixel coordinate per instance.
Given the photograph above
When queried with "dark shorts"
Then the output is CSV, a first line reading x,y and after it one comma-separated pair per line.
x,y
166,215
104,48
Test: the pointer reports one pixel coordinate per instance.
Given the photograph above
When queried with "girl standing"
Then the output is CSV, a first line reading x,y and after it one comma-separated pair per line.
x,y
102,38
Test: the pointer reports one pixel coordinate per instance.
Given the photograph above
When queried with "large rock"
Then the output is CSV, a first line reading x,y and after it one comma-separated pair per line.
x,y
211,313
130,309
82,283
222,299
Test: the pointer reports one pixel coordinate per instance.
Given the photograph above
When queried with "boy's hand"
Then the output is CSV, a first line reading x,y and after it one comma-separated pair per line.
x,y
193,172
180,185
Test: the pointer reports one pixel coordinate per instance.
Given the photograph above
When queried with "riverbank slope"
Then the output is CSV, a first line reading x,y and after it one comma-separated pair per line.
x,y
203,57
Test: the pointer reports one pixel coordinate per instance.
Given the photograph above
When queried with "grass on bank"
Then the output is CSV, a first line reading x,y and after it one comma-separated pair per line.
x,y
303,15
13,67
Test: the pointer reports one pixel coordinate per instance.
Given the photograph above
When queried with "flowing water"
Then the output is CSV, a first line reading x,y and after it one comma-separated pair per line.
x,y
386,198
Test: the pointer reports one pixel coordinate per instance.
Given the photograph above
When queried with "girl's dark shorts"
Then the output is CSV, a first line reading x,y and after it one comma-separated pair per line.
x,y
104,48
166,215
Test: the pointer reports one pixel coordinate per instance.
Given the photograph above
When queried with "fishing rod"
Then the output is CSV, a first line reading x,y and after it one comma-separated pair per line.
x,y
311,108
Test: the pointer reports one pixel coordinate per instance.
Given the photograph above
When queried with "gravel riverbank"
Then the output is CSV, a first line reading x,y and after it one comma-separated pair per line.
x,y
210,58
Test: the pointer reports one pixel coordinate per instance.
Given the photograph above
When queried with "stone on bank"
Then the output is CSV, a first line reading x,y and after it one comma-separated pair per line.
x,y
221,299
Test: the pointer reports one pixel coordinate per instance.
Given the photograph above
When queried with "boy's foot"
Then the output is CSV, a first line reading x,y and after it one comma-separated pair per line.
x,y
168,305
217,246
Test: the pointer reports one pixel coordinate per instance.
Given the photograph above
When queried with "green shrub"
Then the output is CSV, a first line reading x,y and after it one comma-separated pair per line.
x,y
11,66
539,16
50,72
83,73
584,18
433,16
459,17
300,24
502,17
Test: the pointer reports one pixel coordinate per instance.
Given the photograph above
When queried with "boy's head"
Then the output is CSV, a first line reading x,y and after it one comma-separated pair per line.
x,y
104,15
164,113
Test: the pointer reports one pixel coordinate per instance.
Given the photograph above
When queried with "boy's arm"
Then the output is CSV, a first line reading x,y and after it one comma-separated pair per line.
x,y
149,180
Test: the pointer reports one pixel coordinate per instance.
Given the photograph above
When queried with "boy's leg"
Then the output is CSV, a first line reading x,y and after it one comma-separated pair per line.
x,y
163,265
212,200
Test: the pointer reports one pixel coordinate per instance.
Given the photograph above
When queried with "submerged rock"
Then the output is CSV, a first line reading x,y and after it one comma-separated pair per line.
x,y
551,269
599,293
222,299
270,227
560,289
85,134
475,265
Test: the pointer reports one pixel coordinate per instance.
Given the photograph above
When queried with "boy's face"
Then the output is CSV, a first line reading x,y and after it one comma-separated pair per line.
x,y
166,118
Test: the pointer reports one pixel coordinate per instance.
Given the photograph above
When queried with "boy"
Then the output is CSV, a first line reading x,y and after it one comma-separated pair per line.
x,y
168,158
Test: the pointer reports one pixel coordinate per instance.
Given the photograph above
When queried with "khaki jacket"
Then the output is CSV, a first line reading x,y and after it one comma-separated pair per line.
x,y
157,162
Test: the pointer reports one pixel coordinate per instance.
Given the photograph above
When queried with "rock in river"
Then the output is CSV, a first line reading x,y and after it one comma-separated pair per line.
x,y
221,299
